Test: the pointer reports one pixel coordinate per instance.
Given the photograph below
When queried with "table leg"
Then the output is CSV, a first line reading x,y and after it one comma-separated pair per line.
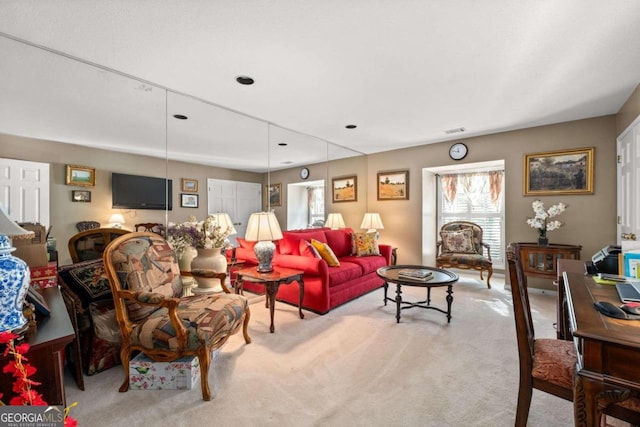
x,y
272,290
449,301
386,286
301,297
398,302
429,295
238,285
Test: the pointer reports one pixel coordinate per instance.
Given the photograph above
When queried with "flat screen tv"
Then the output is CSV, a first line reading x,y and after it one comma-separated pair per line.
x,y
141,192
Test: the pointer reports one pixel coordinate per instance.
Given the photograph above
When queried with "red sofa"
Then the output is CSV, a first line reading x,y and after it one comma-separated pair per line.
x,y
324,287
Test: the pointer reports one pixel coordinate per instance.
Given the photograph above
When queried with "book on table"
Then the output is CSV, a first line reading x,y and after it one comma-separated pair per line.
x,y
417,274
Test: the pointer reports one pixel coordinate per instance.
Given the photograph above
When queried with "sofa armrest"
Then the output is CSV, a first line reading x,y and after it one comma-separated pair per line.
x,y
385,251
309,265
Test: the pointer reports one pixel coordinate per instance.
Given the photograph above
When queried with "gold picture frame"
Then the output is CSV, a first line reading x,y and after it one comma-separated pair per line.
x,y
393,185
344,189
81,176
190,185
273,195
559,172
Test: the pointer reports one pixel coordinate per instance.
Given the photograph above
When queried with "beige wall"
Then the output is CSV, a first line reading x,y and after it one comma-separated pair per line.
x,y
590,220
64,213
629,111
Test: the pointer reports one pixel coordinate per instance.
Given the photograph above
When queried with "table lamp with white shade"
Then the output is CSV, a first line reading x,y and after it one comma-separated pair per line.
x,y
116,220
224,221
372,222
263,228
14,276
335,221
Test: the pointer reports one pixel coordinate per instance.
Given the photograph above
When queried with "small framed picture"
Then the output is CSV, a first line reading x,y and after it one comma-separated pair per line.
x,y
38,301
274,192
81,176
393,185
345,189
81,196
190,185
189,200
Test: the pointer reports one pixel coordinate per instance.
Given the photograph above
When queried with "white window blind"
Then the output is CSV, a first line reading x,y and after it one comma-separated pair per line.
x,y
472,201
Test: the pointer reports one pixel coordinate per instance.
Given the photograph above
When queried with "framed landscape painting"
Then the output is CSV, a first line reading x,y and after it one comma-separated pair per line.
x,y
274,193
345,189
393,185
81,176
559,172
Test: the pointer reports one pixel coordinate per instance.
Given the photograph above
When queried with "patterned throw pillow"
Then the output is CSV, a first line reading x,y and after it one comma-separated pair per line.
x,y
366,244
307,249
460,241
326,253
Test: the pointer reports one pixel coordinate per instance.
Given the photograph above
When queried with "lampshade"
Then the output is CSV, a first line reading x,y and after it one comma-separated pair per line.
x,y
116,220
11,228
224,221
263,227
335,221
372,221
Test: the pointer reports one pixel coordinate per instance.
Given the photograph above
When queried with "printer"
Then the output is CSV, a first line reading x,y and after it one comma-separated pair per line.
x,y
604,261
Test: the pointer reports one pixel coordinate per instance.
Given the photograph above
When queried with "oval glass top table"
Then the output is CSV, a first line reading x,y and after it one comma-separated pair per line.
x,y
400,275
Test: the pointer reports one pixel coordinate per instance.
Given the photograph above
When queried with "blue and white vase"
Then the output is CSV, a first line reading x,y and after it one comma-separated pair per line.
x,y
14,282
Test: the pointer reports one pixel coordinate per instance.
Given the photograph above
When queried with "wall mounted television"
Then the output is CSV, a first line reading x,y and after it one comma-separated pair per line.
x,y
141,192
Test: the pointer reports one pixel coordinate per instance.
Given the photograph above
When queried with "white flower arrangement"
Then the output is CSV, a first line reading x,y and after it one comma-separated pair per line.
x,y
542,220
199,234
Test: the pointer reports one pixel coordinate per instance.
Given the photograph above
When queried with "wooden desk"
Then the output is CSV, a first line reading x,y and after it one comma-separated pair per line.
x,y
608,349
47,350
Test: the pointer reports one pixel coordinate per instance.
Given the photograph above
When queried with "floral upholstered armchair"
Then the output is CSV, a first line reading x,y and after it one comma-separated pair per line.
x,y
143,272
461,246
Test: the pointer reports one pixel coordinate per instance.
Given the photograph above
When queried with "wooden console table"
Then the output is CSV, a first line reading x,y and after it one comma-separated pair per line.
x,y
542,261
47,350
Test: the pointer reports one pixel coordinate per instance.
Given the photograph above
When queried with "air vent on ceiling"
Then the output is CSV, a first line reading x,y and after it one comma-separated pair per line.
x,y
455,130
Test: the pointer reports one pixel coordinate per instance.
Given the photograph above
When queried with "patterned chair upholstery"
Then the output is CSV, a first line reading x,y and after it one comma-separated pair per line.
x,y
143,272
461,246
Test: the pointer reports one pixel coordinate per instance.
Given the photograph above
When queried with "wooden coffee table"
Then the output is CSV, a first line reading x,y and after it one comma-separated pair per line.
x,y
440,278
272,281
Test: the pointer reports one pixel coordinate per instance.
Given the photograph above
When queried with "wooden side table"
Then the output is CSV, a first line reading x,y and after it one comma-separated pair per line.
x,y
272,281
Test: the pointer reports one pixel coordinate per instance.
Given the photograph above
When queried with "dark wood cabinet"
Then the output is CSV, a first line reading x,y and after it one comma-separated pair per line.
x,y
47,350
542,261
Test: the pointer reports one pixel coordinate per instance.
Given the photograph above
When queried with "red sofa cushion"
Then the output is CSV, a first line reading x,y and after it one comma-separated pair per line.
x,y
368,264
340,241
345,272
290,243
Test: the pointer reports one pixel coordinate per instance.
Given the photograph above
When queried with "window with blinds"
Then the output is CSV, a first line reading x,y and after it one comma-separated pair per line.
x,y
475,197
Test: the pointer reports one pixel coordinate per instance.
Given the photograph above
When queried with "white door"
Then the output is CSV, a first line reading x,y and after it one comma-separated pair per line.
x,y
24,190
238,199
629,183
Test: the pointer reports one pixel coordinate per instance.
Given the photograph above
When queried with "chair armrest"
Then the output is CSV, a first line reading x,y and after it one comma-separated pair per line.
x,y
488,250
159,300
438,247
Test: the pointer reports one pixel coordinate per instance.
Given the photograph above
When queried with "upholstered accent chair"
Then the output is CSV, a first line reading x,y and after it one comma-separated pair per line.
x,y
547,364
89,244
87,225
143,272
461,246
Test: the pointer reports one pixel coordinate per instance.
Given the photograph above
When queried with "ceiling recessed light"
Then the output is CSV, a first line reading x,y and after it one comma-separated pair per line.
x,y
351,126
244,80
282,144
180,116
455,130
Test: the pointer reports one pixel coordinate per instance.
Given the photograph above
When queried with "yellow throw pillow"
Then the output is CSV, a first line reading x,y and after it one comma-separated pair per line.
x,y
366,244
326,253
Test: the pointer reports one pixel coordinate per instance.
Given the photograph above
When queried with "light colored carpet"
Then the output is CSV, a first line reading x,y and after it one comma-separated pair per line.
x,y
353,367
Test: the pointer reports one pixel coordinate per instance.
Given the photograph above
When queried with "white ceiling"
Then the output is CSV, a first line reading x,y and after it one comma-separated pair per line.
x,y
108,73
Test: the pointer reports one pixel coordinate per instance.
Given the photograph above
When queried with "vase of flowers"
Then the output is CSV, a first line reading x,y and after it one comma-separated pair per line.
x,y
209,239
543,222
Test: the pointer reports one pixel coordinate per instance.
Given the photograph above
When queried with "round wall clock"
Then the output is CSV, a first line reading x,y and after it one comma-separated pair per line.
x,y
458,151
304,173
